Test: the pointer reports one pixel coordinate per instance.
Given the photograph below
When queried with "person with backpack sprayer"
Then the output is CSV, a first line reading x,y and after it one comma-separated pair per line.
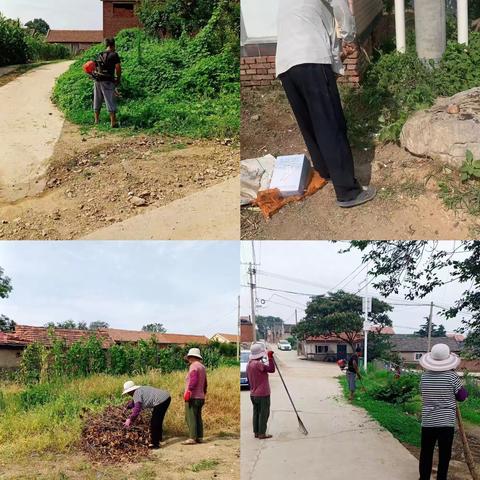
x,y
353,372
257,373
106,71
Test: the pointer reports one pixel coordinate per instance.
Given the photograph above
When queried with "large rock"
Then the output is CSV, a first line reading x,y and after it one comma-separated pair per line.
x,y
447,130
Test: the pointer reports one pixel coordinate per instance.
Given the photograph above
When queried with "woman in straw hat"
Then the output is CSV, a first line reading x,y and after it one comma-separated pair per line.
x,y
440,387
148,397
194,396
257,373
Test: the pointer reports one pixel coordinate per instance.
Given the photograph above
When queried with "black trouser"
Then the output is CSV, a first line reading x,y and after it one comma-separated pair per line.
x,y
261,412
156,424
313,95
430,436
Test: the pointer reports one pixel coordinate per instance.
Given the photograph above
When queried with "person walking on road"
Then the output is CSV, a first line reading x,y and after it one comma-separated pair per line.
x,y
440,387
307,61
148,397
257,373
194,396
107,76
353,372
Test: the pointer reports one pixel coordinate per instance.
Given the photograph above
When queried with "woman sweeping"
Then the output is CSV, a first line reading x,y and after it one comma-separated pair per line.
x,y
194,396
148,397
257,373
440,387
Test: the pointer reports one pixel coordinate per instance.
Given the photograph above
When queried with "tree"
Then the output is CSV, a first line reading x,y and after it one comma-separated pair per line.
x,y
264,324
436,331
420,267
6,324
67,325
5,284
340,315
38,25
155,328
97,325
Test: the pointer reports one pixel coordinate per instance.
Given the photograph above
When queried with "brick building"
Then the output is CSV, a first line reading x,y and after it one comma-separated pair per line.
x,y
75,40
258,40
117,15
246,330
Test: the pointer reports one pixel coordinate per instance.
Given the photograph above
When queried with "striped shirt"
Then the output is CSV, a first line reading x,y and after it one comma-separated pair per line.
x,y
438,391
150,397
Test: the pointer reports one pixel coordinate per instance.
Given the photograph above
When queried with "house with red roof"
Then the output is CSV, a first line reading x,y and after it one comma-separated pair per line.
x,y
117,15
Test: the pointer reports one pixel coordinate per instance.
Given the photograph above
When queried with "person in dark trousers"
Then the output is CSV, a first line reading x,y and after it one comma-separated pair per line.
x,y
148,397
353,372
441,388
107,78
307,61
257,373
194,396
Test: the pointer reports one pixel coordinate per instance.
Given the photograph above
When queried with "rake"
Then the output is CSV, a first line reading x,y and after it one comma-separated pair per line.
x,y
301,426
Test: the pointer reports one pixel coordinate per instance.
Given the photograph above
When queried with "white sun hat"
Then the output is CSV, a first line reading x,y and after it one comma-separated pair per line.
x,y
257,351
440,359
194,352
129,387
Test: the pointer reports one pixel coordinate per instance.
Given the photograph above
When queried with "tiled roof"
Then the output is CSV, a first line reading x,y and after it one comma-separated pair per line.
x,y
30,334
228,336
11,339
118,335
75,36
413,343
329,338
384,330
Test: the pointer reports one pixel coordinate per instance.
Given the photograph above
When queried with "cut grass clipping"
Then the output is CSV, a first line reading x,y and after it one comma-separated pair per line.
x,y
54,425
188,87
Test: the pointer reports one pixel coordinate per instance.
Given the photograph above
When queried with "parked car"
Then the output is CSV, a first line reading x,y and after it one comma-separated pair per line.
x,y
244,356
284,345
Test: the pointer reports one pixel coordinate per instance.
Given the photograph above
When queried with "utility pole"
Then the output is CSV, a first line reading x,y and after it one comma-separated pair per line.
x,y
366,326
239,331
400,26
462,21
430,317
298,342
430,29
251,272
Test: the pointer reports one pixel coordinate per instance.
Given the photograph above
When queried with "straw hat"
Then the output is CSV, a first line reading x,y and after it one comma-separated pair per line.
x,y
194,352
257,351
129,387
440,359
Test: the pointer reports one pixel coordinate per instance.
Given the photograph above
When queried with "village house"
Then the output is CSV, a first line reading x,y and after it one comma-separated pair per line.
x,y
117,15
246,330
225,338
410,348
13,344
259,31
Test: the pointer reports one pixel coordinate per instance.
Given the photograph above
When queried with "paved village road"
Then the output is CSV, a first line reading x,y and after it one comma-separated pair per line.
x,y
343,441
30,125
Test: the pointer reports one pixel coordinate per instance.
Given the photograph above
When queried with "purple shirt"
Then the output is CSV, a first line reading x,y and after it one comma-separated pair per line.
x,y
257,373
196,381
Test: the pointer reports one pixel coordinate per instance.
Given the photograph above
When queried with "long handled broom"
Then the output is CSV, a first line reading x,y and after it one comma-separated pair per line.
x,y
466,447
301,426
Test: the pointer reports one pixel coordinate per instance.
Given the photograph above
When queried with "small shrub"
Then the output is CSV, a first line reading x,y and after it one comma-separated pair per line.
x,y
36,395
397,390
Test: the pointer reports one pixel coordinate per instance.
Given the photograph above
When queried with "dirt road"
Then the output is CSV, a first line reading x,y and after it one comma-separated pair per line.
x,y
30,125
343,441
408,205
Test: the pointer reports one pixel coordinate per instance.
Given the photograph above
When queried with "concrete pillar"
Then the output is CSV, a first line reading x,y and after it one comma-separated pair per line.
x,y
462,21
400,26
430,29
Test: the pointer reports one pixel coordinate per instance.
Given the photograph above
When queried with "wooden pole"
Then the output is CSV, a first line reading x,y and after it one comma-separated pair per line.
x,y
466,447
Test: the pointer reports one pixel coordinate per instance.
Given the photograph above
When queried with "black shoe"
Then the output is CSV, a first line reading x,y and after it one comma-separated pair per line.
x,y
153,447
367,194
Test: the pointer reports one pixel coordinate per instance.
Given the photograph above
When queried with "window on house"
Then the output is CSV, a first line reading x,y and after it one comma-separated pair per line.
x,y
123,10
321,348
418,356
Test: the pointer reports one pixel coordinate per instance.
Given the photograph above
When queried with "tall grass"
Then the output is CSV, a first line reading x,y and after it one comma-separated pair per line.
x,y
55,425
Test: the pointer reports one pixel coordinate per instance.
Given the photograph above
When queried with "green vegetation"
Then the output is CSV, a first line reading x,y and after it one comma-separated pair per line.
x,y
88,357
396,403
396,85
187,86
205,465
18,45
47,418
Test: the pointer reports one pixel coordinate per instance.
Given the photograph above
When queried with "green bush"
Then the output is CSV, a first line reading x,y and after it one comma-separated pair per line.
x,y
36,395
188,86
397,390
39,49
13,42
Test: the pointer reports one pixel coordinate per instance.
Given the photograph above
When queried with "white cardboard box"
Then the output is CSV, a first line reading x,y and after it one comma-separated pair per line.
x,y
291,174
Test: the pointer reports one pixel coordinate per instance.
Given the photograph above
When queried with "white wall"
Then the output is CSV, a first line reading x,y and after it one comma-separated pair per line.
x,y
259,21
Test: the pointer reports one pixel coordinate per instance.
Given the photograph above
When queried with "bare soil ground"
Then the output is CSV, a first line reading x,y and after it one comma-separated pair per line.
x,y
93,176
216,458
407,205
458,468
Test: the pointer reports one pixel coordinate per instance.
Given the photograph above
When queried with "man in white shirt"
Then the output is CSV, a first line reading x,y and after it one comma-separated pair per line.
x,y
308,59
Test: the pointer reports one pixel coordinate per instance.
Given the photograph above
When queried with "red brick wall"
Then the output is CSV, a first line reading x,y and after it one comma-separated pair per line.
x,y
246,333
112,24
257,71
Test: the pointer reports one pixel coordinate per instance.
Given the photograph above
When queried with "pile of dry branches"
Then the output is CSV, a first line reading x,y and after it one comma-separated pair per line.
x,y
105,439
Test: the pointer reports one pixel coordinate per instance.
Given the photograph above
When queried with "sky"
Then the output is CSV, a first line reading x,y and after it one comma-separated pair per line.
x,y
190,287
60,15
321,267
